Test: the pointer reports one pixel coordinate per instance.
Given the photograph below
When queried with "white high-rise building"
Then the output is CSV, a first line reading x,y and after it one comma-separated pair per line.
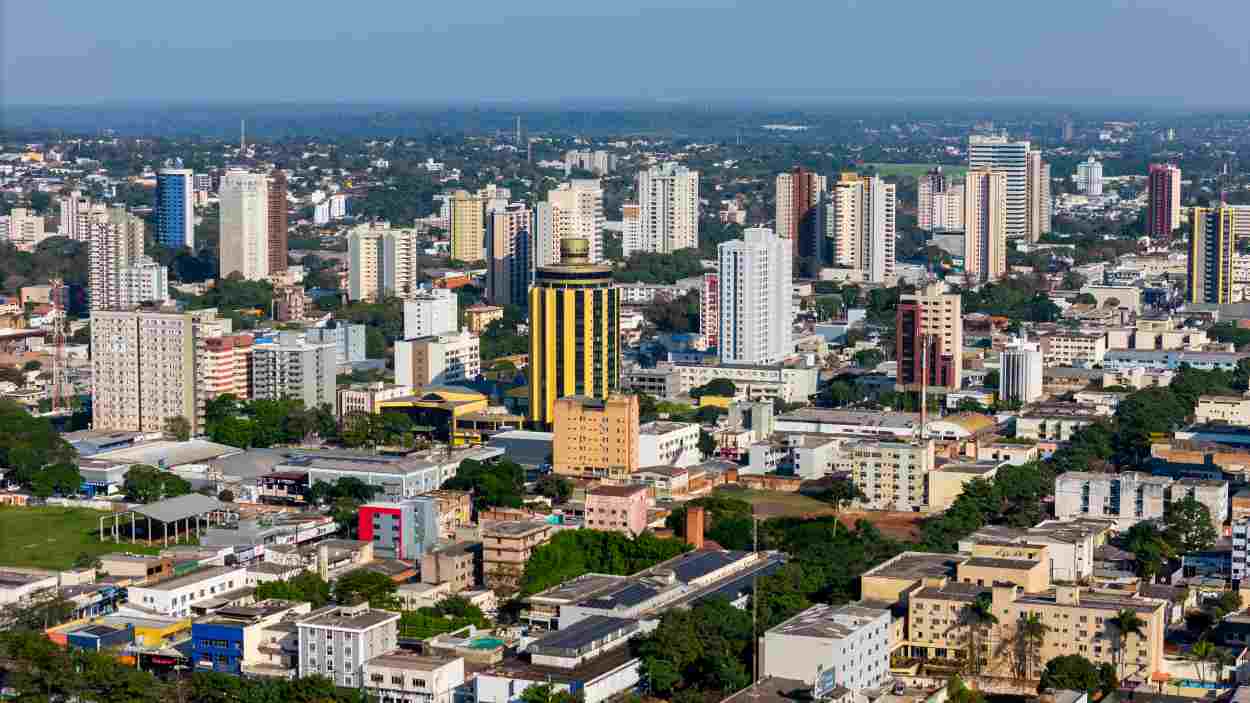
x,y
859,221
1089,176
985,225
244,242
948,209
293,368
430,313
381,262
121,277
1020,373
73,224
668,208
998,153
631,229
573,210
438,360
755,298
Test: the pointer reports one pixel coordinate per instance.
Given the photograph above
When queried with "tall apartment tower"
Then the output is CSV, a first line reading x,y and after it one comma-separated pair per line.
x,y
175,208
755,298
144,368
508,255
859,221
929,338
948,209
798,195
468,226
985,225
575,316
573,210
244,244
1020,373
668,202
631,229
1089,177
997,153
430,313
1164,200
382,262
290,367
1212,248
121,277
73,212
930,184
709,309
1037,220
277,222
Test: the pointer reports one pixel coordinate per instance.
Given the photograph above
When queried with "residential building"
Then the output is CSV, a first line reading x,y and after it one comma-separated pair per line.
x,y
226,366
1228,409
244,217
859,222
405,677
755,299
175,208
458,565
662,443
930,184
1037,220
631,229
929,339
290,303
177,596
73,206
404,529
367,397
998,154
946,482
573,210
1212,248
892,475
596,438
432,311
709,309
1020,373
144,368
1070,544
986,224
121,277
668,208
835,645
1163,200
143,281
1241,549
1089,177
438,360
617,509
336,641
468,226
798,197
291,368
252,639
1073,349
478,317
948,209
1130,496
573,296
276,216
1156,361
1055,422
508,254
506,547
598,162
792,382
382,261
348,340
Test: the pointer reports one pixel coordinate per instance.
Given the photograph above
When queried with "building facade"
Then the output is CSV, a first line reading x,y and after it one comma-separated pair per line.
x,y
276,218
663,443
433,311
175,208
755,299
799,193
244,238
508,255
1020,373
292,368
573,210
668,208
596,438
1163,202
382,261
986,224
999,154
709,309
438,360
929,339
1130,497
831,645
1039,209
1212,249
617,509
337,640
1089,177
892,475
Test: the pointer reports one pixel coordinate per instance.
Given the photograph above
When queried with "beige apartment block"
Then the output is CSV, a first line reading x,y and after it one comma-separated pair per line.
x,y
1073,349
468,226
506,547
596,438
947,482
1225,409
892,475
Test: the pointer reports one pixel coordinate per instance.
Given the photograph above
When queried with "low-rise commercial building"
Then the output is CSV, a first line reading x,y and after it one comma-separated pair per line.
x,y
617,509
850,642
177,596
336,641
248,639
398,476
404,677
946,482
663,443
1055,422
1073,349
860,423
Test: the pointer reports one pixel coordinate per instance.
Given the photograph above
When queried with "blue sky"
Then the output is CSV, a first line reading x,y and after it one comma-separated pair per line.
x,y
1174,52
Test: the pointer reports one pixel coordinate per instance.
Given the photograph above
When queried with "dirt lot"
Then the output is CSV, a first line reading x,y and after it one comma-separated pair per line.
x,y
905,526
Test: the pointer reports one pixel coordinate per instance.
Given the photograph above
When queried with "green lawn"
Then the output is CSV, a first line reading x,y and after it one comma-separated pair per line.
x,y
916,170
51,537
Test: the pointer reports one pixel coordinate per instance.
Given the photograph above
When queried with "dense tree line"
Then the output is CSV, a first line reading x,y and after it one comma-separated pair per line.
x,y
1017,297
571,553
36,456
54,257
265,423
497,483
646,267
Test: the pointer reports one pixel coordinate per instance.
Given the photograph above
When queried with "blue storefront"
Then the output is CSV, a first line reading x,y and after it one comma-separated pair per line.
x,y
217,646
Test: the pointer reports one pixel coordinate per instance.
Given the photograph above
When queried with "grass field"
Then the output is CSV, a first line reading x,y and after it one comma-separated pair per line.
x,y
52,537
916,170
904,526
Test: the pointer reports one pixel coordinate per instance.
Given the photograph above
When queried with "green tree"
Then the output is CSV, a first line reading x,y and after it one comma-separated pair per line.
x,y
868,358
62,478
991,380
307,587
707,443
497,483
976,618
1188,525
178,427
571,553
720,387
147,484
1203,653
1026,644
32,365
364,585
1073,672
544,693
555,487
958,692
1125,624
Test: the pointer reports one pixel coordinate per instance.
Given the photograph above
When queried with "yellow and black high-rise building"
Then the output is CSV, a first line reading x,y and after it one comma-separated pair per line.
x,y
1211,249
575,339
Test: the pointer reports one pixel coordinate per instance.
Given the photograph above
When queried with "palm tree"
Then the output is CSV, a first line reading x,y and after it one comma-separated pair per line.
x,y
976,617
1203,652
1030,633
1124,623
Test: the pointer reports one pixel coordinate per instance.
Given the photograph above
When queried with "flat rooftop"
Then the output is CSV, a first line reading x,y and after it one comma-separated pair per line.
x,y
514,528
582,633
916,565
409,661
662,427
977,467
195,577
172,453
853,417
334,616
1001,563
829,621
577,589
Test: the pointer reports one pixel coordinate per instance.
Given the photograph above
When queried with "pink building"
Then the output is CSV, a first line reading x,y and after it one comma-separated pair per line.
x,y
709,309
617,509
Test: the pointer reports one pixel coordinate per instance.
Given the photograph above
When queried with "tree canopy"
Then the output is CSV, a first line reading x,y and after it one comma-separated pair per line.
x,y
571,553
497,483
